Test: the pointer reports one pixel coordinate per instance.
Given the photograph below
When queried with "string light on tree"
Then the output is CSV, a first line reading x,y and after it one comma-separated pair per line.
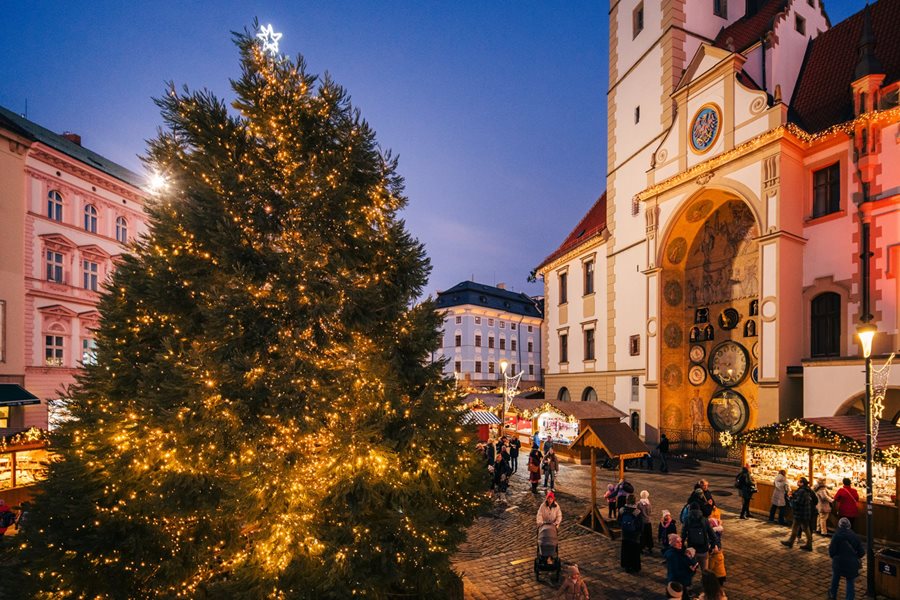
x,y
269,39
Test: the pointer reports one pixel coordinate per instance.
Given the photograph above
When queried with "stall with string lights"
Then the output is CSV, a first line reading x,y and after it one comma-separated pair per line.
x,y
831,448
23,463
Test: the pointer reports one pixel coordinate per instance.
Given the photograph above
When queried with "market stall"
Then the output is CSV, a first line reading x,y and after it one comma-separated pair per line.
x,y
23,462
831,448
483,419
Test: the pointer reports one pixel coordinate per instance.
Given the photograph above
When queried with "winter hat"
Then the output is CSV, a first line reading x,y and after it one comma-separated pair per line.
x,y
611,487
674,590
665,514
802,481
551,495
844,523
645,494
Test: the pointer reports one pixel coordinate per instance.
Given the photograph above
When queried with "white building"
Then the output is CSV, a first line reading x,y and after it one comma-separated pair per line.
x,y
484,325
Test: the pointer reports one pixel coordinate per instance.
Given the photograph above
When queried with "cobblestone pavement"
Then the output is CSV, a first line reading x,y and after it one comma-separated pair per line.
x,y
496,561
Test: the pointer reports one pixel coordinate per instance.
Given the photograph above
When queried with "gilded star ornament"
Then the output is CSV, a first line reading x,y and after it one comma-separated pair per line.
x,y
269,39
798,428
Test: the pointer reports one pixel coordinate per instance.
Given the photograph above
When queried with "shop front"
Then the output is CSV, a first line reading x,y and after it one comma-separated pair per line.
x,y
829,448
23,463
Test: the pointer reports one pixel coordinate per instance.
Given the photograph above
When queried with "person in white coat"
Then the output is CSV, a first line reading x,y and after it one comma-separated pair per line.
x,y
823,506
779,497
549,511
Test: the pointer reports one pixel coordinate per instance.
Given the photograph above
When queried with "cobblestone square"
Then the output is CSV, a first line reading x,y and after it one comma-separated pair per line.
x,y
496,560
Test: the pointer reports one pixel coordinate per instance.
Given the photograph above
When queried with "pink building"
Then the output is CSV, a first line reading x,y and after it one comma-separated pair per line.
x,y
68,214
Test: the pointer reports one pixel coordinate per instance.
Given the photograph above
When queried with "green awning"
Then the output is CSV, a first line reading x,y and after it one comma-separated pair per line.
x,y
15,395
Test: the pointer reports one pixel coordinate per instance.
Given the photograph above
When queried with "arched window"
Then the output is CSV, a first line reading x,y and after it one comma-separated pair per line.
x,y
636,422
825,325
54,205
122,231
589,395
90,218
563,395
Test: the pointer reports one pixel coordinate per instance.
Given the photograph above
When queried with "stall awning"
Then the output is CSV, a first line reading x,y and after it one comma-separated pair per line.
x,y
616,439
479,417
844,432
15,395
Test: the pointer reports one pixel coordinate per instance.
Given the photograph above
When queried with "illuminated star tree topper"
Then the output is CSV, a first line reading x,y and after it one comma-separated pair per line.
x,y
269,39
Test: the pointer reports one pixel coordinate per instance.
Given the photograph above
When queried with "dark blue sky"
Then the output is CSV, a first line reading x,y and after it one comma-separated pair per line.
x,y
496,108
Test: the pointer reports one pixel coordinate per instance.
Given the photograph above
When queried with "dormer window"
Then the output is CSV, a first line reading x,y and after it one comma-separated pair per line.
x,y
720,8
800,24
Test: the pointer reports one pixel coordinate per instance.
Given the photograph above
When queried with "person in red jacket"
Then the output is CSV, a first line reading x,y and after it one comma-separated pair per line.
x,y
7,518
846,499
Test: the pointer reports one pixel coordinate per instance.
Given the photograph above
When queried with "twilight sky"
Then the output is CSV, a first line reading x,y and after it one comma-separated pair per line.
x,y
496,108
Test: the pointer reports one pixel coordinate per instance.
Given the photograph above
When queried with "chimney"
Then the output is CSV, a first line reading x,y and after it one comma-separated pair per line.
x,y
501,286
72,137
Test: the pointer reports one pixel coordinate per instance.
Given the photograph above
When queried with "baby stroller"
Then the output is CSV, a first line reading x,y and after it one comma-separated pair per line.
x,y
547,558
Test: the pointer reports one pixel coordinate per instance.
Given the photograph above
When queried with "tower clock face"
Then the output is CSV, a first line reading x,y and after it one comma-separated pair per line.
x,y
728,363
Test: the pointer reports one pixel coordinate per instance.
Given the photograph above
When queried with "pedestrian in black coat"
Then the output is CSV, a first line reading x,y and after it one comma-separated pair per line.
x,y
846,552
514,446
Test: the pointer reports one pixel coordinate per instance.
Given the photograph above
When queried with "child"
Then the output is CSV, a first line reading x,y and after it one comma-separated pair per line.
x,y
610,495
574,587
716,555
666,526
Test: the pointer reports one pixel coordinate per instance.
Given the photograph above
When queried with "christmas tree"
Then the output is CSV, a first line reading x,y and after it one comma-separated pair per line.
x,y
261,421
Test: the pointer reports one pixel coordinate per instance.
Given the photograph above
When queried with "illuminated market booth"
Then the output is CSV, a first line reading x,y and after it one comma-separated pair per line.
x,y
23,462
832,448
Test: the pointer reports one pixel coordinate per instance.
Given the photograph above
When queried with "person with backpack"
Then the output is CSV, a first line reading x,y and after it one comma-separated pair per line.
x,y
846,552
7,517
746,487
698,534
631,522
803,503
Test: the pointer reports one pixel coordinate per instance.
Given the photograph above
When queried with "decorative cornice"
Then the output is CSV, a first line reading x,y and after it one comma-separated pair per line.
x,y
590,243
75,168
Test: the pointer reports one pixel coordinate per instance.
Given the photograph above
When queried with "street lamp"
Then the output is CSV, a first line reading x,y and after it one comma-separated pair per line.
x,y
503,365
866,332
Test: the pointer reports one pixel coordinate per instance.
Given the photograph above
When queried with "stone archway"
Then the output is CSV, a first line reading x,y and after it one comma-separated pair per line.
x,y
854,405
709,295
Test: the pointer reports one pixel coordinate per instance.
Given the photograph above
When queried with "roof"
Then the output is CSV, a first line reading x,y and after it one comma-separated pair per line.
x,y
479,417
847,431
591,224
582,411
854,427
747,31
15,395
823,95
616,439
36,133
479,294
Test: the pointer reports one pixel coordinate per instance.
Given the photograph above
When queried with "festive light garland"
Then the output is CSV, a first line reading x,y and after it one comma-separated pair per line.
x,y
29,436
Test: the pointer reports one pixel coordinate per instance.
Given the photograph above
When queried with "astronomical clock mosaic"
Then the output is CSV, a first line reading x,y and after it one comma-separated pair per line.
x,y
710,289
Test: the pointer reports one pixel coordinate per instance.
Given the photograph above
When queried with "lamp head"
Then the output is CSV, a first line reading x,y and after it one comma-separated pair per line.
x,y
503,366
866,332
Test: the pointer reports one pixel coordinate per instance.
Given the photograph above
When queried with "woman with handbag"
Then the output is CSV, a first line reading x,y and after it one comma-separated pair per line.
x,y
534,468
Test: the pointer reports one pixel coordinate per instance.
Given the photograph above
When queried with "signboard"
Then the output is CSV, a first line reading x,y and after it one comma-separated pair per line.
x,y
887,568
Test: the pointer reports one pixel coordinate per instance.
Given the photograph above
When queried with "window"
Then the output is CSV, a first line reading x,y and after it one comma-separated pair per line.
x,y
634,345
825,325
531,369
529,329
502,324
503,343
478,340
563,395
491,367
512,326
563,348
635,389
457,367
458,320
636,422
637,19
122,235
512,368
54,266
490,341
53,350
589,395
478,320
90,218
478,366
88,352
588,344
531,346
563,288
457,340
720,8
827,190
589,277
89,270
490,322
800,24
4,417
637,115
512,344
54,205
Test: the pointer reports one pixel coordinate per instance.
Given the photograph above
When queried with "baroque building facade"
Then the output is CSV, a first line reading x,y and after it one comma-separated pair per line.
x,y
69,213
748,162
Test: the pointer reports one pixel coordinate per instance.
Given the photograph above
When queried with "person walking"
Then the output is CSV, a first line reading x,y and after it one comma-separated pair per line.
x,y
548,444
501,478
514,446
803,502
846,552
549,512
551,468
665,528
823,506
646,516
780,493
663,448
698,534
680,567
534,468
574,587
846,500
746,488
631,523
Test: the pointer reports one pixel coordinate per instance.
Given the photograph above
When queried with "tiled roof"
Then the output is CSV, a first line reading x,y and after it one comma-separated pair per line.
x,y
617,439
746,31
591,224
579,410
35,132
479,294
823,97
854,427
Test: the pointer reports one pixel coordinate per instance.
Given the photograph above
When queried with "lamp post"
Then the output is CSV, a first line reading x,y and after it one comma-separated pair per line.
x,y
503,366
866,332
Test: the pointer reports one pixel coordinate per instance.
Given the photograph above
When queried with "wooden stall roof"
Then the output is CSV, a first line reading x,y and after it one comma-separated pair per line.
x,y
847,430
854,427
616,439
479,417
580,410
490,399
